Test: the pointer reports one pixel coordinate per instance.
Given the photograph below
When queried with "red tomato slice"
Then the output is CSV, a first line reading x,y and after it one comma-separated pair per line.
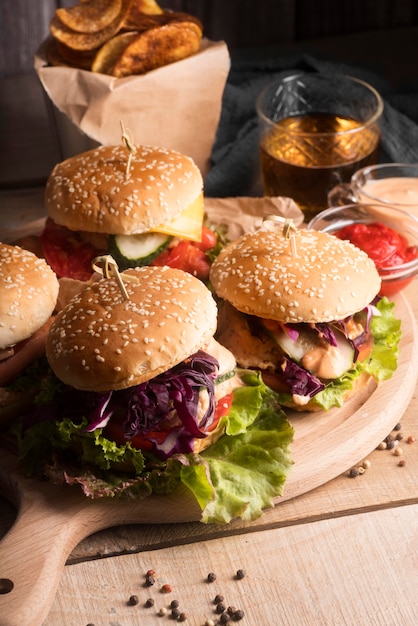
x,y
185,256
66,252
223,406
208,240
114,432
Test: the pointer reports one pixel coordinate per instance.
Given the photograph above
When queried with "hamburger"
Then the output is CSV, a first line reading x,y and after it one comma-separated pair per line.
x,y
143,205
141,398
28,294
307,315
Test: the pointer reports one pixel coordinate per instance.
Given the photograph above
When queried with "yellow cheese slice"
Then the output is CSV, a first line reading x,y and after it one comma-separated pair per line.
x,y
188,225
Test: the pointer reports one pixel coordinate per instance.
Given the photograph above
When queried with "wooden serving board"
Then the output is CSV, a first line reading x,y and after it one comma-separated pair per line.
x,y
52,520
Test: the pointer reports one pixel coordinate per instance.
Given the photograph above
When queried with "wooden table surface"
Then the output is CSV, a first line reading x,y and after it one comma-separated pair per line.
x,y
345,553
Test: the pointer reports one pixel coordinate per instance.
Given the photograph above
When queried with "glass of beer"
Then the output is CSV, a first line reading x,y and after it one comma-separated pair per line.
x,y
316,130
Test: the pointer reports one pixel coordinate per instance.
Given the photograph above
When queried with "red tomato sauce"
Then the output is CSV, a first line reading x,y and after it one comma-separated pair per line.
x,y
385,246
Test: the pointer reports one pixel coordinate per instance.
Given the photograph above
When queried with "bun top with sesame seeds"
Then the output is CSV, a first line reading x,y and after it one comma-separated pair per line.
x,y
101,341
327,279
97,192
29,292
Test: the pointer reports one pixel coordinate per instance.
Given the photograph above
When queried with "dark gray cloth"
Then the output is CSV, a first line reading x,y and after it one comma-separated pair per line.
x,y
235,167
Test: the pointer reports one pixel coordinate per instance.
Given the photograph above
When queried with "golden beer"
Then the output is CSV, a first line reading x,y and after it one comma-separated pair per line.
x,y
304,156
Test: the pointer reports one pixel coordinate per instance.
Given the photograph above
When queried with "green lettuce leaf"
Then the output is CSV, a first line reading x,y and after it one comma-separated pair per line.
x,y
238,476
246,470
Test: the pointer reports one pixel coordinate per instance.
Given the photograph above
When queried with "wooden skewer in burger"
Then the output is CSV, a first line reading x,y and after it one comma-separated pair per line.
x,y
302,307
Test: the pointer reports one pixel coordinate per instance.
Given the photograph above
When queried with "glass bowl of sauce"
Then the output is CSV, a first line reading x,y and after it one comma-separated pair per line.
x,y
387,234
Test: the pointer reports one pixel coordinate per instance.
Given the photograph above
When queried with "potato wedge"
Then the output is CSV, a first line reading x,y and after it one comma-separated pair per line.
x,y
138,21
57,54
148,7
110,52
52,55
90,16
88,41
158,47
141,22
76,58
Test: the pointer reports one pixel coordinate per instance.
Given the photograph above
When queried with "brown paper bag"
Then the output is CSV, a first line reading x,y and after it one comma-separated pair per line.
x,y
244,215
177,106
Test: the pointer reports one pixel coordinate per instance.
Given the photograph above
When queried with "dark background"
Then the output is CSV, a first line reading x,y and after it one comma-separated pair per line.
x,y
380,35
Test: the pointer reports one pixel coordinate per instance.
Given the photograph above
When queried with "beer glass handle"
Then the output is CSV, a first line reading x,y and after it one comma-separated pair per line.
x,y
341,195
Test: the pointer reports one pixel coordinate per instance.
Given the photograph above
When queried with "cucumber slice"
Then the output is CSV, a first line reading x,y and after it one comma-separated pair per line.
x,y
136,250
308,349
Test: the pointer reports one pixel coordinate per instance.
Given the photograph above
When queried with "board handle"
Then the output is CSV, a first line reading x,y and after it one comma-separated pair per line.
x,y
34,551
32,556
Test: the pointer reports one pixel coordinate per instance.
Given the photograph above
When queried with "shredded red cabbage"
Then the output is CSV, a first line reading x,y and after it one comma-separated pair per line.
x,y
326,333
300,381
291,331
358,341
163,410
170,402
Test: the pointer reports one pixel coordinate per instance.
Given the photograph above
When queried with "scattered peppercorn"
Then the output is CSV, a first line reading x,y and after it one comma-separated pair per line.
x,y
162,611
218,599
166,588
230,610
366,464
410,439
211,577
225,618
150,572
398,426
133,600
149,580
174,604
240,574
209,622
182,617
361,469
402,463
399,437
237,615
220,607
175,613
382,445
390,445
149,603
353,472
397,451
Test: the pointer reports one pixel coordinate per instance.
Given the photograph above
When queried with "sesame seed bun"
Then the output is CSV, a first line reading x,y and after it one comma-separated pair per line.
x,y
92,191
28,294
100,341
329,279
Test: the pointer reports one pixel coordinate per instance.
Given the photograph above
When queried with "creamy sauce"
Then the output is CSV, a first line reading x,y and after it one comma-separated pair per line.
x,y
325,362
397,191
